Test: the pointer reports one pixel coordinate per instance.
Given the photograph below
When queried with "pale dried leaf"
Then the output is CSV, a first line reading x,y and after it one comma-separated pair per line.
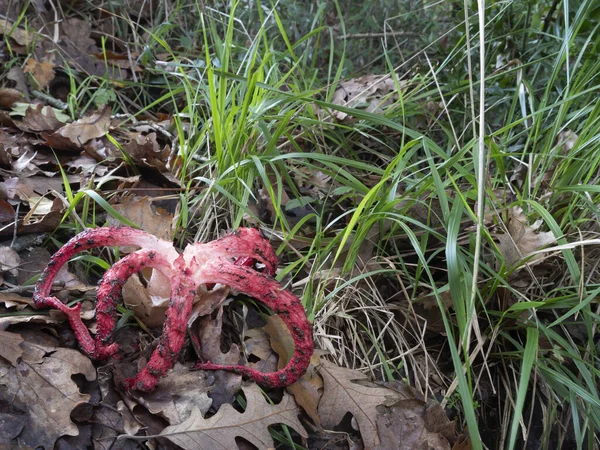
x,y
421,426
6,321
88,166
522,239
372,93
7,212
69,280
10,299
147,305
221,430
258,345
178,394
42,72
40,384
341,394
307,390
17,75
78,31
10,346
150,218
39,118
111,418
19,35
88,128
33,262
9,97
9,261
148,302
225,385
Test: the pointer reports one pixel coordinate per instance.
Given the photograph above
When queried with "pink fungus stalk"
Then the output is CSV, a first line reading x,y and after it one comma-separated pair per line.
x,y
227,261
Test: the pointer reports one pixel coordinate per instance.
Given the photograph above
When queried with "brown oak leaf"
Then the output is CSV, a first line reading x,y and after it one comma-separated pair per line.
x,y
40,386
344,394
220,431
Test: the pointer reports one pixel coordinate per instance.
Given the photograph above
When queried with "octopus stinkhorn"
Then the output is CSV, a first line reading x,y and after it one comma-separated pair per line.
x,y
226,261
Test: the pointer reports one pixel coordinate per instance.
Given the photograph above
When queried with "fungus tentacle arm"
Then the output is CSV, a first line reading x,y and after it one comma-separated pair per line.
x,y
111,286
92,238
172,338
282,302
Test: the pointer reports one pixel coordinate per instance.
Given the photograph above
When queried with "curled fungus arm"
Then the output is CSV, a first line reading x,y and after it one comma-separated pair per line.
x,y
281,302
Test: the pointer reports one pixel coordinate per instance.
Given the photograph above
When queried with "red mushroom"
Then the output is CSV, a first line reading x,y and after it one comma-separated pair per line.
x,y
226,261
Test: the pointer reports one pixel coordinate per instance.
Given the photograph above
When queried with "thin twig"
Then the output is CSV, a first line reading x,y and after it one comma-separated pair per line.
x,y
377,35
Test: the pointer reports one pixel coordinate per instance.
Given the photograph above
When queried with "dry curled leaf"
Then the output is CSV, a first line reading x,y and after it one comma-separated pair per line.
x,y
9,96
147,298
39,118
10,346
221,430
112,418
178,394
372,93
19,35
41,72
343,394
40,388
86,129
307,390
78,31
522,239
9,261
421,425
206,336
144,212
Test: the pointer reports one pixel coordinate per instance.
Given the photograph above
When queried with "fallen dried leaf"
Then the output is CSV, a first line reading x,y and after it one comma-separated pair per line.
x,y
522,239
258,345
11,300
307,390
41,386
86,129
78,31
9,261
342,394
41,72
7,212
148,299
9,97
372,93
150,218
419,425
10,346
221,430
17,75
111,418
19,35
178,394
225,385
32,263
38,118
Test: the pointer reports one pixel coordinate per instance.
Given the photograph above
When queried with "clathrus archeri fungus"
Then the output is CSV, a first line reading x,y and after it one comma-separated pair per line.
x,y
228,261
